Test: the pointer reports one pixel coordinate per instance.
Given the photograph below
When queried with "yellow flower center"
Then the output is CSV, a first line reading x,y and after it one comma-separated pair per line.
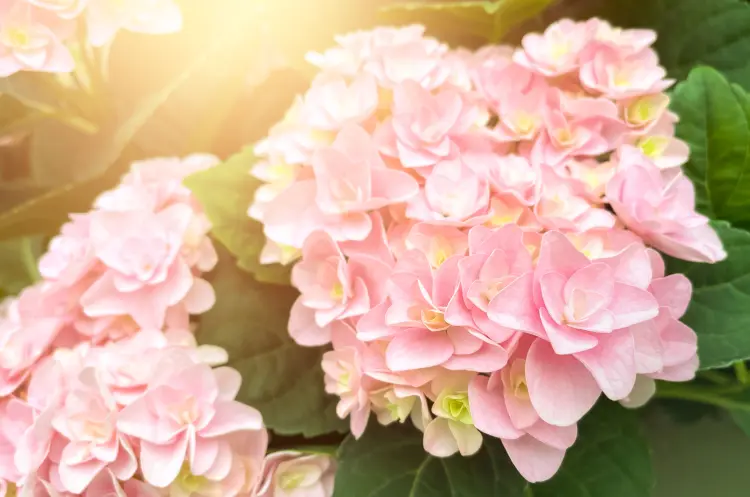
x,y
457,407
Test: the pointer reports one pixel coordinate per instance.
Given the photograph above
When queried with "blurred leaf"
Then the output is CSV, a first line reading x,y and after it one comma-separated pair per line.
x,y
462,20
715,122
18,264
225,192
611,458
45,94
101,168
280,378
391,462
719,310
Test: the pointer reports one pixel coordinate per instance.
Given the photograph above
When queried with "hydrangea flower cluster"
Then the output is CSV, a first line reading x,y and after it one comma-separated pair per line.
x,y
103,389
476,232
33,33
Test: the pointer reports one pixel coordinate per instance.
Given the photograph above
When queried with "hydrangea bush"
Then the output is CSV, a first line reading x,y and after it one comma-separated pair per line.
x,y
483,243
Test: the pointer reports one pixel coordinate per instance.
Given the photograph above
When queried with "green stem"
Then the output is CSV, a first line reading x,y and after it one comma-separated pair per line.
x,y
29,260
740,369
702,395
715,377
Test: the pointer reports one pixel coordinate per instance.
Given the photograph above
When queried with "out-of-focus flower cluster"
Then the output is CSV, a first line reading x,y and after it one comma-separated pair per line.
x,y
476,232
34,33
103,389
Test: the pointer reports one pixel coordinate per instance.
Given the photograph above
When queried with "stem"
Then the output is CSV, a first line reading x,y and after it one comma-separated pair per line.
x,y
715,377
686,392
29,261
740,369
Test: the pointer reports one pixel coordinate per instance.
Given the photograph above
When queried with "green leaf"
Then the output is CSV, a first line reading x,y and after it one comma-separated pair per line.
x,y
18,264
742,419
610,458
691,32
226,192
719,311
715,122
46,94
281,379
482,20
391,462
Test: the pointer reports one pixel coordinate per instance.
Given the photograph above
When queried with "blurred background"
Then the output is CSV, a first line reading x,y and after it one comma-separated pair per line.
x,y
219,84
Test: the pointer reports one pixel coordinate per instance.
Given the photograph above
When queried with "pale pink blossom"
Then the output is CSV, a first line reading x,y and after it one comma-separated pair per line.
x,y
502,407
351,176
575,127
557,51
585,310
144,274
332,288
615,76
331,103
186,414
27,43
453,195
452,430
87,419
661,209
660,145
344,369
424,124
26,334
65,9
295,474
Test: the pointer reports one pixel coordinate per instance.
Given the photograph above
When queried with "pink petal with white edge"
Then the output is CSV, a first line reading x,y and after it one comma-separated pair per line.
x,y
561,389
228,381
417,348
536,461
557,253
612,364
488,409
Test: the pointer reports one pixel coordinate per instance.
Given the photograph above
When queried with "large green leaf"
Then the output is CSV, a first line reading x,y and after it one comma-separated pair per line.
x,y
691,32
715,122
280,378
391,462
226,192
610,458
466,21
719,311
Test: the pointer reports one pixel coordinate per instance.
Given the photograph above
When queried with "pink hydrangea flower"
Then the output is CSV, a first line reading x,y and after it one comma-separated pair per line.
x,y
187,416
557,51
294,474
452,430
423,124
87,419
332,288
502,407
585,310
28,43
661,209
